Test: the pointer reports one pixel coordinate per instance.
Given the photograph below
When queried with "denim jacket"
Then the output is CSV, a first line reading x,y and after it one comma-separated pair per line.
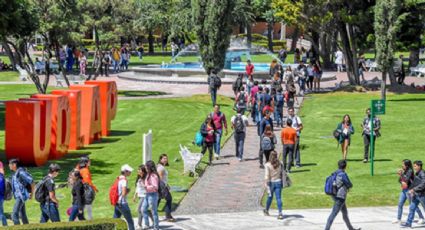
x,y
343,183
19,179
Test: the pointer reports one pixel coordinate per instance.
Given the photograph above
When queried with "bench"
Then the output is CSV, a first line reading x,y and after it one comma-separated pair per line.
x,y
418,70
190,160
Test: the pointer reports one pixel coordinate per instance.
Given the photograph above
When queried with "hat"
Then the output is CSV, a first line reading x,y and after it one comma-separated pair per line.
x,y
127,168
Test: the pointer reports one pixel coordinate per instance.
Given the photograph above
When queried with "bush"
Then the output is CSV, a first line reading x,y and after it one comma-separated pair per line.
x,y
100,224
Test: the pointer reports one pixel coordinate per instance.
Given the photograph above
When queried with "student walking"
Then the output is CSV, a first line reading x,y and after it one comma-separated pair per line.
x,y
266,121
152,196
84,168
288,137
249,69
2,194
50,206
279,101
208,130
253,96
345,130
163,176
268,142
273,178
77,197
343,184
140,193
239,124
406,178
241,100
298,126
366,125
214,83
237,84
116,57
220,121
417,191
22,189
83,64
121,207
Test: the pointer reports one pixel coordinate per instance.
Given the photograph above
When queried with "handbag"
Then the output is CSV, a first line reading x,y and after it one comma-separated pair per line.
x,y
286,181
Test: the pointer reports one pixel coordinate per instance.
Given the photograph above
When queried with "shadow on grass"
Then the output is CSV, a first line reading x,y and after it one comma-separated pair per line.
x,y
138,93
309,164
300,171
361,160
120,133
407,99
107,140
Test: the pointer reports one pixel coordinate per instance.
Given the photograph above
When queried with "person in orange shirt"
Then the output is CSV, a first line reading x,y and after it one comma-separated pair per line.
x,y
288,136
84,168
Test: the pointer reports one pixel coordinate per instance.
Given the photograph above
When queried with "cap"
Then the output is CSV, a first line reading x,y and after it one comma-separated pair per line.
x,y
127,168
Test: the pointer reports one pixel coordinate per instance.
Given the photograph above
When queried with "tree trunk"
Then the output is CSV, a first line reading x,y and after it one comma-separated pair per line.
x,y
295,39
151,42
10,54
270,35
326,50
413,58
249,35
391,74
383,85
351,61
282,30
353,51
96,37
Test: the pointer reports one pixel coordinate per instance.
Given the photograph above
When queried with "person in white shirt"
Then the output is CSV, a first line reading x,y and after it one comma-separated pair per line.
x,y
163,175
239,124
140,192
339,60
122,208
298,126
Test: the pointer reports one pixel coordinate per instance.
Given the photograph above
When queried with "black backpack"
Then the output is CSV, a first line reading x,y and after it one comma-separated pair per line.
x,y
27,186
8,194
237,84
241,100
89,194
239,125
40,190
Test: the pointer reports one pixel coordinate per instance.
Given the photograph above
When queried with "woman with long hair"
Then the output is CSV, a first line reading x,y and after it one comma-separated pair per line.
x,y
84,168
317,73
77,197
208,131
268,142
407,175
346,129
140,192
273,181
152,196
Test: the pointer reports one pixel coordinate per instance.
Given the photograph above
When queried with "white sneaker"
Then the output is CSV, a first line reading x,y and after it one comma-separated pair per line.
x,y
421,221
396,221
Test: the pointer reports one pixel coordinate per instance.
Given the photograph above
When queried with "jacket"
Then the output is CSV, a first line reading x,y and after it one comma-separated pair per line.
x,y
19,179
418,184
86,175
343,184
340,129
78,194
407,177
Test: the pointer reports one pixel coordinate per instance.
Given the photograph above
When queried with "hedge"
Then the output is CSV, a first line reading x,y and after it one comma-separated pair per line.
x,y
100,224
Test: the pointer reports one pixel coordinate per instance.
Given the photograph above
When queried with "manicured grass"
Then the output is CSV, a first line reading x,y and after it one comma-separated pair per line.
x,y
402,137
173,122
9,76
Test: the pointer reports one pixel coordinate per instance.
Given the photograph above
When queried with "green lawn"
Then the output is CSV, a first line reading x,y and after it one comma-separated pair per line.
x,y
173,122
402,137
9,76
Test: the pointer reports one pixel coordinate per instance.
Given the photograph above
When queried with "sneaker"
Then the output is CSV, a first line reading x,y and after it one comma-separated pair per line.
x,y
280,217
145,227
405,225
421,221
240,159
261,166
298,166
365,161
397,221
266,213
170,219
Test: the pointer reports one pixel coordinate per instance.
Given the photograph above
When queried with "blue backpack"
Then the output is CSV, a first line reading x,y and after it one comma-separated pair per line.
x,y
330,184
199,139
279,100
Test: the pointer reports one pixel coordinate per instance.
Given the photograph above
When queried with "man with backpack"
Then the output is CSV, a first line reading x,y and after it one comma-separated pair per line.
x,y
118,196
50,205
267,120
337,186
214,83
237,84
2,194
220,122
279,100
239,124
417,192
241,100
298,126
22,189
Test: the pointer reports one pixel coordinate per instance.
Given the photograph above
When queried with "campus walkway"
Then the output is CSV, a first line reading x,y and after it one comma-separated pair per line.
x,y
372,218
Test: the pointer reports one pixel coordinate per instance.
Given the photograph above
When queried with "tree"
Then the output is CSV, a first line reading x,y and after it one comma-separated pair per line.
x,y
387,24
244,16
213,26
265,10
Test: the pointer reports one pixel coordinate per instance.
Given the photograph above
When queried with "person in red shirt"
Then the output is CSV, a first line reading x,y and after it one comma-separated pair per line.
x,y
220,122
288,136
249,69
208,131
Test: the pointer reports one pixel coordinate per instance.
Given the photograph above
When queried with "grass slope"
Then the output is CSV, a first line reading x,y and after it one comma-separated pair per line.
x,y
173,122
402,137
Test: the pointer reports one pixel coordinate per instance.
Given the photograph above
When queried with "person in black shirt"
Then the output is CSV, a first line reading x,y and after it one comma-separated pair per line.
x,y
49,208
77,197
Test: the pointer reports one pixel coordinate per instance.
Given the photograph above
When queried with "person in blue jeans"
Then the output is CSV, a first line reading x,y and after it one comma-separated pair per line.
x,y
213,86
279,99
2,191
406,180
21,179
220,122
49,208
152,196
417,191
77,196
122,208
343,184
273,178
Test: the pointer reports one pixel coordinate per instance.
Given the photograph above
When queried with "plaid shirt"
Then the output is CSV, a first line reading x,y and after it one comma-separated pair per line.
x,y
19,179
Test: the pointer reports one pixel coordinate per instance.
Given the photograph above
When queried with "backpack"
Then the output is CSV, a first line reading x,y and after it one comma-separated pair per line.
x,y
40,190
330,184
27,186
241,100
113,192
239,125
215,82
237,84
199,139
8,194
279,100
162,190
89,194
266,143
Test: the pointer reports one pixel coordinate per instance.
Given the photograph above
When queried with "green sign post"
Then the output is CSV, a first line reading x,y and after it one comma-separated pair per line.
x,y
377,108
